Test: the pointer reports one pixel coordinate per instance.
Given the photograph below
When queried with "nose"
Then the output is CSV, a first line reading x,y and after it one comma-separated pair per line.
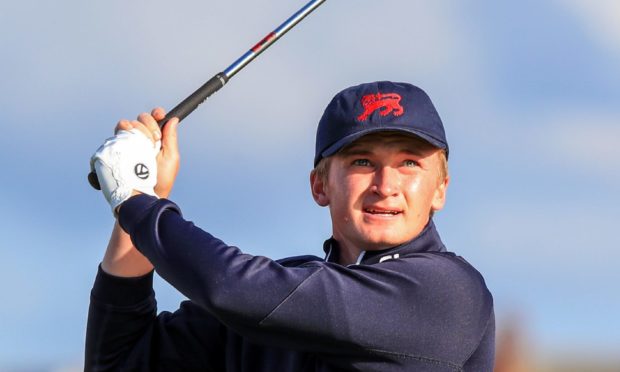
x,y
386,182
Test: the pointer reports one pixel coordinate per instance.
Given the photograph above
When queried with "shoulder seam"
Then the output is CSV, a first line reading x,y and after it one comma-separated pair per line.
x,y
289,295
486,326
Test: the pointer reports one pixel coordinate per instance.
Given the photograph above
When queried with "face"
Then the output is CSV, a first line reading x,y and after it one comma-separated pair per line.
x,y
381,190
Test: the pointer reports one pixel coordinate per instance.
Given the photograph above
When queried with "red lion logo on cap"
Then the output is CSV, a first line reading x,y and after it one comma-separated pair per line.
x,y
387,103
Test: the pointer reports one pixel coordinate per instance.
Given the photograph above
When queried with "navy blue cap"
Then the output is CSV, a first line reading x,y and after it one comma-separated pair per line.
x,y
376,107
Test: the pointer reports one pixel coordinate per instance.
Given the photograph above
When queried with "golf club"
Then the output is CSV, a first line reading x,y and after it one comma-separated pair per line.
x,y
214,84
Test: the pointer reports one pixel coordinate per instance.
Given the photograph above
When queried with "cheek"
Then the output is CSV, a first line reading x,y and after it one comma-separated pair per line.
x,y
420,193
414,186
347,196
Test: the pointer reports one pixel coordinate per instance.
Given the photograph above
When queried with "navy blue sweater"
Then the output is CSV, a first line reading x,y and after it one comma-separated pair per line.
x,y
414,307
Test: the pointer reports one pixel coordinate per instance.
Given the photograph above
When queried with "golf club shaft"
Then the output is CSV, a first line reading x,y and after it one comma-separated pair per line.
x,y
214,84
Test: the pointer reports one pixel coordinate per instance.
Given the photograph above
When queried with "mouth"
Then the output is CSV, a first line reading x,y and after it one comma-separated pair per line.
x,y
382,211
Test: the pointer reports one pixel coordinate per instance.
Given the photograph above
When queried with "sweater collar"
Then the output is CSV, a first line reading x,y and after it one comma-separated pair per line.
x,y
427,241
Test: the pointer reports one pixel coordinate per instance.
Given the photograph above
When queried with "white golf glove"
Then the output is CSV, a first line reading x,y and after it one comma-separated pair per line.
x,y
126,162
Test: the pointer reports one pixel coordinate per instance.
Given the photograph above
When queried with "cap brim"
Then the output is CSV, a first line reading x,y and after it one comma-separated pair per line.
x,y
334,148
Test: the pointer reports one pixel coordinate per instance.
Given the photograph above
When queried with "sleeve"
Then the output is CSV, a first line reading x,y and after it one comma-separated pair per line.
x,y
124,333
390,308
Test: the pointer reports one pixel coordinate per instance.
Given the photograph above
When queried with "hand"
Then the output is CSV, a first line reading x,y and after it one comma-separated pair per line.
x,y
125,164
168,158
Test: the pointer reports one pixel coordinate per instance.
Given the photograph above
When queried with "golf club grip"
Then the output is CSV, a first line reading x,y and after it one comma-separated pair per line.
x,y
181,110
194,100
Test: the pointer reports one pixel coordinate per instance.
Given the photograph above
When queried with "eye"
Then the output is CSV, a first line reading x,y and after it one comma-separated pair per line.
x,y
361,162
410,163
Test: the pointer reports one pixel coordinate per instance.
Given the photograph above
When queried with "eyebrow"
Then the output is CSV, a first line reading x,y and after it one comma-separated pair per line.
x,y
410,151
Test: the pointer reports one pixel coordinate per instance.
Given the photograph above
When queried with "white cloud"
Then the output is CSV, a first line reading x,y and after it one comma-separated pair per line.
x,y
601,18
584,140
513,232
564,140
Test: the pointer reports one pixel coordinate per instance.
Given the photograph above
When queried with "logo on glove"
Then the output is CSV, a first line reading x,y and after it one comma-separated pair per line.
x,y
142,171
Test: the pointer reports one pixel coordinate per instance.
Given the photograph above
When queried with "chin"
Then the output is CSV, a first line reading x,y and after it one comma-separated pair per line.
x,y
384,242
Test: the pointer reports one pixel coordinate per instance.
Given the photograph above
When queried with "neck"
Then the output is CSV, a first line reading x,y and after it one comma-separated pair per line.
x,y
348,255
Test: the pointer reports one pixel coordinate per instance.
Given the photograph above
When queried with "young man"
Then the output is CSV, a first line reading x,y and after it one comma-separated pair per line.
x,y
387,297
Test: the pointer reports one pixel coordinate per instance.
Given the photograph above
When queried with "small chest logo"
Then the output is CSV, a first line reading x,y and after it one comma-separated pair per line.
x,y
389,257
387,103
141,171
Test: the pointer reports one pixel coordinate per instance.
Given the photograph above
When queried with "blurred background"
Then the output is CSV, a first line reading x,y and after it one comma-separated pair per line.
x,y
529,92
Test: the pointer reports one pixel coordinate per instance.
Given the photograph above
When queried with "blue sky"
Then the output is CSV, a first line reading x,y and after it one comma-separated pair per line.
x,y
529,93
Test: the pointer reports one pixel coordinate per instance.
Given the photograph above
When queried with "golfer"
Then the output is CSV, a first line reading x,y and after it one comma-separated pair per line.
x,y
387,296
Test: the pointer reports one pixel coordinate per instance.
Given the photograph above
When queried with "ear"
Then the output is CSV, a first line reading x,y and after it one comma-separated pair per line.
x,y
439,199
318,188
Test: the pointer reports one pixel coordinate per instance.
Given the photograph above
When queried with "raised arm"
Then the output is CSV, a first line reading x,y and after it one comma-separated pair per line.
x,y
123,308
121,258
393,308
